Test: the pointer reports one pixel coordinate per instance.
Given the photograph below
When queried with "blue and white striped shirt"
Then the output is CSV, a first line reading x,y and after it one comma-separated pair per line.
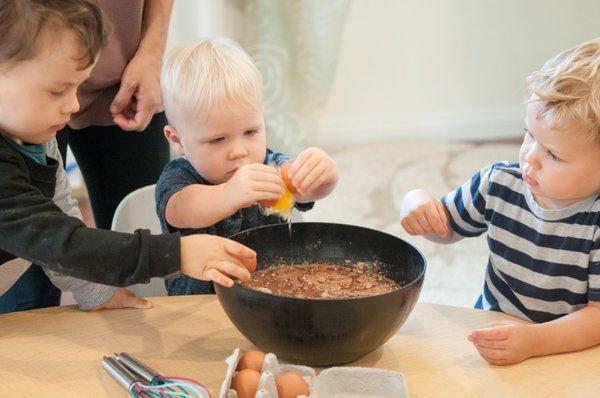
x,y
543,264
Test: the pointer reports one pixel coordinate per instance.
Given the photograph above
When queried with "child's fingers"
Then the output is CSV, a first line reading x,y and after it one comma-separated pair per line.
x,y
501,323
298,163
435,223
137,302
265,171
491,344
309,177
258,173
268,176
270,189
214,275
423,221
314,179
412,226
249,263
239,251
406,224
491,355
441,209
124,298
233,268
262,197
492,333
307,166
263,179
491,361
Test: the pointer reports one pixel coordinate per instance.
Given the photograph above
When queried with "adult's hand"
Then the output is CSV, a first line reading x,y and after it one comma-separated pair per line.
x,y
139,96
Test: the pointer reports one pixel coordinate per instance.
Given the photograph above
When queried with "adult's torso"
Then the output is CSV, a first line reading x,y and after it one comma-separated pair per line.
x,y
98,91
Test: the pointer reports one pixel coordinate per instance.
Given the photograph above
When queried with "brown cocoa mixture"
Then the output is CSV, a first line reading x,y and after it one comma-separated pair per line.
x,y
322,281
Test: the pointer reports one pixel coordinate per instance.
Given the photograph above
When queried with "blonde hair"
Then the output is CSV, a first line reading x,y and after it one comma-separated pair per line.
x,y
568,88
210,74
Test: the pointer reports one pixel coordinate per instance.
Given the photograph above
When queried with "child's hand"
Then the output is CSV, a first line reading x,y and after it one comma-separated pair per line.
x,y
504,343
252,183
210,257
123,298
313,174
422,214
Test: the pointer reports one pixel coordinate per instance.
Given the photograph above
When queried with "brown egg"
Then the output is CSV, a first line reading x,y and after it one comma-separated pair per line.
x,y
245,383
290,385
252,359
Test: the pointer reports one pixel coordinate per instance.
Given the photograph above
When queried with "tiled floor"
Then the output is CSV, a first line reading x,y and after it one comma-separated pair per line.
x,y
375,177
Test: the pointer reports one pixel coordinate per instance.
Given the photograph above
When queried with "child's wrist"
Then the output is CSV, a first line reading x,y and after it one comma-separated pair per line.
x,y
227,199
183,255
537,340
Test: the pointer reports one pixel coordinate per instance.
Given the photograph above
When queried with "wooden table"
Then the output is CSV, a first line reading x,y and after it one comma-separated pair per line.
x,y
57,352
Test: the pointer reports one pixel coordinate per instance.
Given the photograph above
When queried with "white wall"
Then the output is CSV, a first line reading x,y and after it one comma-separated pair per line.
x,y
446,69
193,19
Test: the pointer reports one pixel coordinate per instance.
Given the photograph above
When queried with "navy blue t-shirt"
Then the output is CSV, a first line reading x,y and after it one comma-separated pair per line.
x,y
180,173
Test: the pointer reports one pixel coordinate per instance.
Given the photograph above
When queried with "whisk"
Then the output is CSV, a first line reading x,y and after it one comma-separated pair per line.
x,y
143,382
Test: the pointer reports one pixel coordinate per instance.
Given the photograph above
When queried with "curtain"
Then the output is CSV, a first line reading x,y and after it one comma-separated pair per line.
x,y
295,45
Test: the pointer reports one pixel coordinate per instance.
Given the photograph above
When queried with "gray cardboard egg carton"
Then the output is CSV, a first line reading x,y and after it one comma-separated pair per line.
x,y
335,382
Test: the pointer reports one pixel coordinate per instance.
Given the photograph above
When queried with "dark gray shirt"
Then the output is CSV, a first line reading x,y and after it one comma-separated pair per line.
x,y
33,227
180,173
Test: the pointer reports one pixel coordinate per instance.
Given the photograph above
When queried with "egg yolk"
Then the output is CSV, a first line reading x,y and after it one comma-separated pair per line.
x,y
282,206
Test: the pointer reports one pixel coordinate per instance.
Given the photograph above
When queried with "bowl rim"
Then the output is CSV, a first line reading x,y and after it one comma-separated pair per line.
x,y
238,285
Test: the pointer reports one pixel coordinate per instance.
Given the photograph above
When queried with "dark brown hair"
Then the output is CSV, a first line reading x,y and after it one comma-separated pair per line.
x,y
22,21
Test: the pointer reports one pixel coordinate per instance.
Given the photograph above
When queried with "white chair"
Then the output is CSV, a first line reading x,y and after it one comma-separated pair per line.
x,y
138,210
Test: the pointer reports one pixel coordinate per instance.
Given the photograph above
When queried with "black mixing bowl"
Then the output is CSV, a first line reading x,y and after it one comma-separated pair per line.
x,y
324,332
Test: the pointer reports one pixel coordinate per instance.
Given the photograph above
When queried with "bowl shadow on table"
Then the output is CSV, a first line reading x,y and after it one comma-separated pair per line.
x,y
135,325
382,356
215,345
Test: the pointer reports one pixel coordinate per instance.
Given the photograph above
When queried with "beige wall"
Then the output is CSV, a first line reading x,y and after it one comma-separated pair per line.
x,y
446,68
426,68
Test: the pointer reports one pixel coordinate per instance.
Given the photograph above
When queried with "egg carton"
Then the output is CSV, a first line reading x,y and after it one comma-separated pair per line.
x,y
335,382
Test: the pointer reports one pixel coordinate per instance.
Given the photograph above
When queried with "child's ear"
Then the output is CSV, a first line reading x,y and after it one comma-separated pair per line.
x,y
173,137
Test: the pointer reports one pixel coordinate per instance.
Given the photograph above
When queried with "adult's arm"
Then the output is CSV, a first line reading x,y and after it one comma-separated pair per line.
x,y
139,96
